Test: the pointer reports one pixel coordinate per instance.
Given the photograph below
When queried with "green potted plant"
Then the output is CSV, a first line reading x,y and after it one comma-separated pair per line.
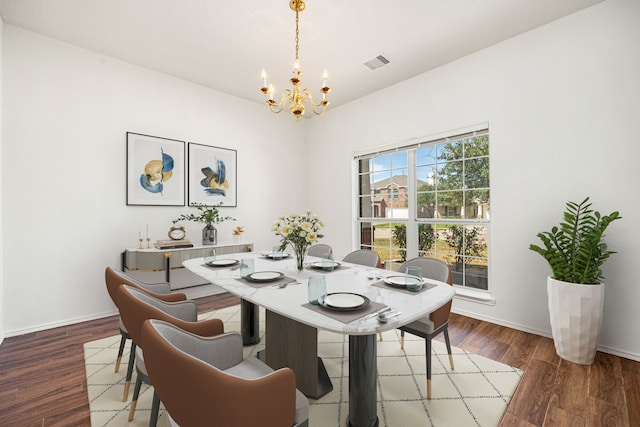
x,y
576,251
208,215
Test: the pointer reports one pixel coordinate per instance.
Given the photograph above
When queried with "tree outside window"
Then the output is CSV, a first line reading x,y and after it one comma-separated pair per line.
x,y
445,215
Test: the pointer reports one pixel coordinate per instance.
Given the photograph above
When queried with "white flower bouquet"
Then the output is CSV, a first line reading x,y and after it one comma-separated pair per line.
x,y
299,231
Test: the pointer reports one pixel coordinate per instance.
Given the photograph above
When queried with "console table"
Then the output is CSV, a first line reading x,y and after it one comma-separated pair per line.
x,y
153,265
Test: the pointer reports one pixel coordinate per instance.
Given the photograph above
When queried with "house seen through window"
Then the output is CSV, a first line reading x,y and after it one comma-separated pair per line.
x,y
429,199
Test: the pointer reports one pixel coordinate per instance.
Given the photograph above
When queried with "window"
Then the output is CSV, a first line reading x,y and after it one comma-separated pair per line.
x,y
444,211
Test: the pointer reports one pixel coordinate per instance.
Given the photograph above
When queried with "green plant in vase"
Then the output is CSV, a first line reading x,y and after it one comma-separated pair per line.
x,y
576,251
208,215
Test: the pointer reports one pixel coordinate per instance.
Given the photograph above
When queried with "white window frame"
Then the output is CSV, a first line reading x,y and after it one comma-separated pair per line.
x,y
412,222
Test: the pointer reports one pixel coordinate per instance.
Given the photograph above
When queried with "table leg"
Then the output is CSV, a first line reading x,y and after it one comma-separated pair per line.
x,y
249,319
167,268
295,345
362,381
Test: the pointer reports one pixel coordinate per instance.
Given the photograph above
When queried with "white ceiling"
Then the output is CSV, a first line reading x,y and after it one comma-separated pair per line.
x,y
224,44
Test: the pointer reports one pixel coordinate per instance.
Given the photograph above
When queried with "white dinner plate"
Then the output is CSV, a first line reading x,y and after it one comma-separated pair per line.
x,y
345,301
270,255
318,264
402,281
222,262
264,276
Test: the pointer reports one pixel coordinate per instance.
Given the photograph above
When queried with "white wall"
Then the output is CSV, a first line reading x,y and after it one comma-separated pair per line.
x,y
562,102
1,224
66,114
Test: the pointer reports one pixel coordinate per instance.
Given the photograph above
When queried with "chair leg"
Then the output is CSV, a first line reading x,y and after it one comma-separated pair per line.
x,y
448,343
123,341
132,360
155,405
401,339
155,408
134,399
427,343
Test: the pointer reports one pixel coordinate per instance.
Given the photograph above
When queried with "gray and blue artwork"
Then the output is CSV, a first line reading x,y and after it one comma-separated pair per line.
x,y
215,182
156,172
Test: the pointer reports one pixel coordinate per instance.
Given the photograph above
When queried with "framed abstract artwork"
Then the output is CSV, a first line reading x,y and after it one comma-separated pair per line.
x,y
212,173
155,170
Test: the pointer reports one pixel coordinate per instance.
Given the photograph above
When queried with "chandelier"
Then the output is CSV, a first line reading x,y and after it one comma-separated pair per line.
x,y
296,97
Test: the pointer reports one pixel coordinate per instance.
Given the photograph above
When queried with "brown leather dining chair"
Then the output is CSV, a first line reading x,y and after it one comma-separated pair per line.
x,y
206,381
438,321
162,291
136,307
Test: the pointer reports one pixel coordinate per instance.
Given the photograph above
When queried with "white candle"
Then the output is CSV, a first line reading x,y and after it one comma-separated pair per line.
x,y
140,234
264,78
296,69
147,231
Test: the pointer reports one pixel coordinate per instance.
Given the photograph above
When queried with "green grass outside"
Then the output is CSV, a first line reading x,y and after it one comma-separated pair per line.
x,y
442,251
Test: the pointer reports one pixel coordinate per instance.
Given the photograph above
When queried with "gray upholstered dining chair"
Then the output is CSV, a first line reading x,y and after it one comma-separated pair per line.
x,y
364,257
438,321
319,250
206,381
367,258
114,279
136,307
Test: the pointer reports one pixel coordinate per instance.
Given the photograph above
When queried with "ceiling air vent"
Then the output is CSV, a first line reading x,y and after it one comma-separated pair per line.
x,y
377,62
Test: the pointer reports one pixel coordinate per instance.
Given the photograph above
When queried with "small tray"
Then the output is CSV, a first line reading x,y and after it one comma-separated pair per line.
x,y
222,263
264,276
345,301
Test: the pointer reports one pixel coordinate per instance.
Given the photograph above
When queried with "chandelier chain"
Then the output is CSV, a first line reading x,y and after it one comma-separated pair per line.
x,y
297,37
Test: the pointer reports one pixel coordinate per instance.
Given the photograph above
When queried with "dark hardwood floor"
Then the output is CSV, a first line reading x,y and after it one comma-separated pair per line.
x,y
42,377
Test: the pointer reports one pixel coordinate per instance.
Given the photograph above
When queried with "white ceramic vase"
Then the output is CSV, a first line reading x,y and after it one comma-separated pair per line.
x,y
576,319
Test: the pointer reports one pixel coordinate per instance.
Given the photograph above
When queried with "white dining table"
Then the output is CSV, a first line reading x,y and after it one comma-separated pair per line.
x,y
290,304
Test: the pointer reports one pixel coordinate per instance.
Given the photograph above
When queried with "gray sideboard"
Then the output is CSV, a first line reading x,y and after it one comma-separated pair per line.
x,y
150,265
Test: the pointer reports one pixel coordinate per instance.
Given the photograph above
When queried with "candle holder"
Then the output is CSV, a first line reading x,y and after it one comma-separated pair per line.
x,y
148,242
140,243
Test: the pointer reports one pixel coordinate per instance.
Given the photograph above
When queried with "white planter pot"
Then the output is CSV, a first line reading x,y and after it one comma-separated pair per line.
x,y
576,319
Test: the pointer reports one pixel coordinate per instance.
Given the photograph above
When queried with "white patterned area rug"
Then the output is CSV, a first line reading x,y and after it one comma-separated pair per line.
x,y
475,394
